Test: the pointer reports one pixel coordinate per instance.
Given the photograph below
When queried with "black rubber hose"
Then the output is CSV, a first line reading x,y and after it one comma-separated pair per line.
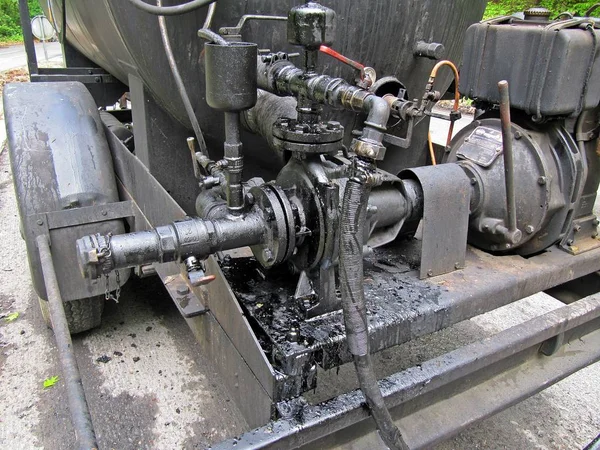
x,y
170,10
354,213
189,109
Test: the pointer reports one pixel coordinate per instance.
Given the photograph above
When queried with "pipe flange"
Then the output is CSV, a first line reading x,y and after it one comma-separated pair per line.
x,y
276,211
294,136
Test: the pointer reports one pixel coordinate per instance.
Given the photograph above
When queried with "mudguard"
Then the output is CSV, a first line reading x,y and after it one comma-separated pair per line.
x,y
60,161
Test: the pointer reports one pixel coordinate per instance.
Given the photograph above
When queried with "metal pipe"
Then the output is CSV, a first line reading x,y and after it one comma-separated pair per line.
x,y
235,163
187,104
211,36
268,109
284,78
513,235
170,10
80,414
100,255
209,16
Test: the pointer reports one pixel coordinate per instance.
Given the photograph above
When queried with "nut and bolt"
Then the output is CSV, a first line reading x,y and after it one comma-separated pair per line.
x,y
267,255
529,229
430,273
518,135
541,181
577,228
457,266
183,290
269,213
570,242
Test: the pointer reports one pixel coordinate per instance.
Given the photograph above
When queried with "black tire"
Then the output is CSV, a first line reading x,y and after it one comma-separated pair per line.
x,y
82,315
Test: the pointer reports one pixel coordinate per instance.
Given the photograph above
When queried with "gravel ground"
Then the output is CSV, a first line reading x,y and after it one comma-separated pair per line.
x,y
150,388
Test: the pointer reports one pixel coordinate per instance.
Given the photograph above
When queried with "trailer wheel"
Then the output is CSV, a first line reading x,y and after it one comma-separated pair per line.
x,y
82,315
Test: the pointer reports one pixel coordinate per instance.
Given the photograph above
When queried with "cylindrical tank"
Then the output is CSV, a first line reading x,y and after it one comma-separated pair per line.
x,y
378,33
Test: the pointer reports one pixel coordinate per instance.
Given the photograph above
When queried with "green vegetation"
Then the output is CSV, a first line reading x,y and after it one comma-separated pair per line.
x,y
49,382
506,7
10,26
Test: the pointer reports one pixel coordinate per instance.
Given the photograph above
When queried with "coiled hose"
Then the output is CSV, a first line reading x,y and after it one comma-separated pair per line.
x,y
354,214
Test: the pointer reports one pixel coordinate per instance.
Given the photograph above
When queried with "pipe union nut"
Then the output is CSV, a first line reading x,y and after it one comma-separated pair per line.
x,y
168,242
365,149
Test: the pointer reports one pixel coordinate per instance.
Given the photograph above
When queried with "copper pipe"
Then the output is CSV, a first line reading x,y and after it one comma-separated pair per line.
x,y
456,93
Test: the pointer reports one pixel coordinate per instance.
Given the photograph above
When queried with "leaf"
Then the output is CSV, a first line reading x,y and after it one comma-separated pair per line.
x,y
12,317
49,382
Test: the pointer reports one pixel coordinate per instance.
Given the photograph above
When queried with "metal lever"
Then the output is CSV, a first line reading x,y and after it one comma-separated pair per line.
x,y
513,234
366,73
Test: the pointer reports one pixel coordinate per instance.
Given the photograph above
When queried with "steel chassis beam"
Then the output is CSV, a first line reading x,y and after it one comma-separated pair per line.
x,y
258,383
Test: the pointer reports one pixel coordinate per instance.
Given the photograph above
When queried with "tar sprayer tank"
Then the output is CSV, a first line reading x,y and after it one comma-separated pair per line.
x,y
126,41
304,224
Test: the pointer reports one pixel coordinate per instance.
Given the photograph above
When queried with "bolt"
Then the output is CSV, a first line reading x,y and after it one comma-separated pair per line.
x,y
97,79
541,181
577,228
473,181
269,214
467,140
250,198
457,266
507,246
40,222
570,242
104,213
430,273
529,229
595,222
183,290
594,235
518,135
267,255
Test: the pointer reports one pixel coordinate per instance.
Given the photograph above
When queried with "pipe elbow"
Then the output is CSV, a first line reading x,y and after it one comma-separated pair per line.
x,y
370,143
378,110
